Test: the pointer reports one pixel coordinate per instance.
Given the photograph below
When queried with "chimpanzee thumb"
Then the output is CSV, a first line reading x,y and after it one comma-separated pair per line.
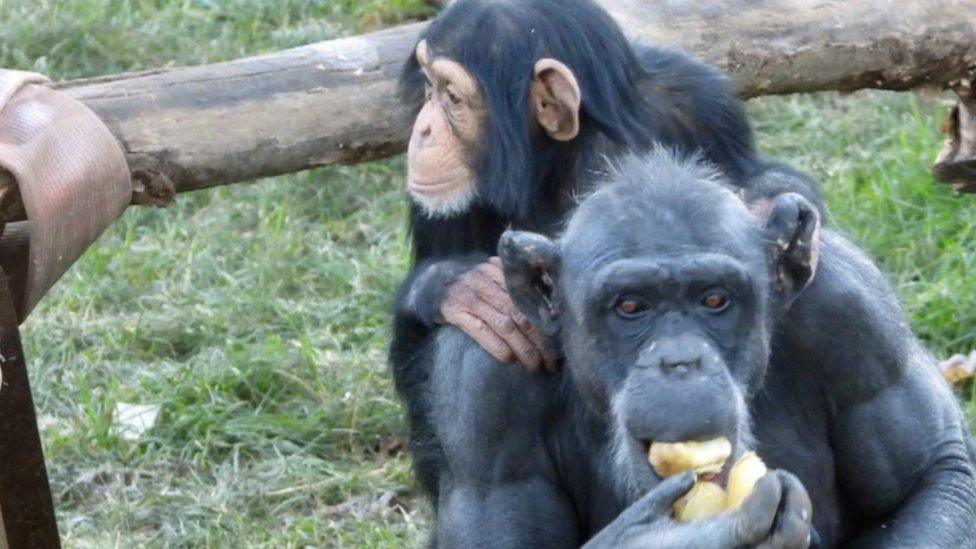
x,y
659,501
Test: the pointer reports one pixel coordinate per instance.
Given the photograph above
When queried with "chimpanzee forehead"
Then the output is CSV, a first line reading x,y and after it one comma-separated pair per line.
x,y
669,243
660,205
624,227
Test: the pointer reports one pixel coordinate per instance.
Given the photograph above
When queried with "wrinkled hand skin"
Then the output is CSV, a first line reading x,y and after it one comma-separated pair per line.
x,y
776,515
478,303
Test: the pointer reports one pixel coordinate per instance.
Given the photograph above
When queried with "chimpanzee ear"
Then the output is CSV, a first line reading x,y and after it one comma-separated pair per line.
x,y
531,265
556,99
792,234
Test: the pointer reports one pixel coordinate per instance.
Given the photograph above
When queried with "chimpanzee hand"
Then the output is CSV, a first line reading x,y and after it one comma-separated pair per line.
x,y
776,515
478,303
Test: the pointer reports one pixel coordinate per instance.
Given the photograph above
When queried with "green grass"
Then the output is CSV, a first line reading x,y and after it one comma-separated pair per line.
x,y
255,315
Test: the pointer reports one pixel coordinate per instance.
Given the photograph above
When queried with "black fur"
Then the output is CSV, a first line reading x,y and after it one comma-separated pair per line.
x,y
632,99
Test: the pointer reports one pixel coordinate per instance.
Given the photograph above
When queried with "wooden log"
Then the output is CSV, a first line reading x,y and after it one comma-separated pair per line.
x,y
334,102
956,163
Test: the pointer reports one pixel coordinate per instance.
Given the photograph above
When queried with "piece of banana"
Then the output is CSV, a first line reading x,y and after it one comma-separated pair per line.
x,y
743,476
704,500
671,458
707,499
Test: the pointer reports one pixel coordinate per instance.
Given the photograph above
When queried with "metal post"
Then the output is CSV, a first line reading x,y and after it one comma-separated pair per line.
x,y
26,510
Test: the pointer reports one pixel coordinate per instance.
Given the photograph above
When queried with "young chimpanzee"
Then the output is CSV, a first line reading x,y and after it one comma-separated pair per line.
x,y
704,320
518,106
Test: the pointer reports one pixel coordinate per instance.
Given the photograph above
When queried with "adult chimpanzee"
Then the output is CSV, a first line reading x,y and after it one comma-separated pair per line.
x,y
518,105
668,326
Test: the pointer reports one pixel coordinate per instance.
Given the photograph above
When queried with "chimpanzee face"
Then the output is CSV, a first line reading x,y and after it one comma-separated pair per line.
x,y
661,293
445,136
449,141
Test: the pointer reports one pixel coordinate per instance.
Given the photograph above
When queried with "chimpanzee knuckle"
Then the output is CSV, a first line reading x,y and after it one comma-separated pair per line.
x,y
673,489
506,327
794,525
792,532
493,298
451,306
486,339
496,273
499,352
479,326
470,279
465,298
510,310
756,516
658,502
796,493
529,356
524,324
483,270
451,314
502,353
482,287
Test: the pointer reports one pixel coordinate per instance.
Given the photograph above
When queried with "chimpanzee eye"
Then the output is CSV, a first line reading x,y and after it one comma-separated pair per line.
x,y
715,301
454,98
629,307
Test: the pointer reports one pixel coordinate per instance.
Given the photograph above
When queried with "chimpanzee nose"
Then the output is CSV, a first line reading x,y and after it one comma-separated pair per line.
x,y
680,366
422,134
678,355
423,126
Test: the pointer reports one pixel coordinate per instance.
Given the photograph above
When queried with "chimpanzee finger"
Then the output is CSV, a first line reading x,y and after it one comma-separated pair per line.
x,y
659,501
505,328
483,335
792,528
503,302
550,358
495,307
488,290
754,520
493,269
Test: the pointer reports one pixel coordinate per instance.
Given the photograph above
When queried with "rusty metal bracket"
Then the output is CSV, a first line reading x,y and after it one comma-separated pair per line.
x,y
956,163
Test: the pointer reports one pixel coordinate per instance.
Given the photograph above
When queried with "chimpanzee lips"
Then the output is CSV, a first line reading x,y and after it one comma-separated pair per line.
x,y
431,187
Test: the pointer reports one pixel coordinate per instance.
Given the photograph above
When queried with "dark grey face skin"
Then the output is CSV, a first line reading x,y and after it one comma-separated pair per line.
x,y
805,357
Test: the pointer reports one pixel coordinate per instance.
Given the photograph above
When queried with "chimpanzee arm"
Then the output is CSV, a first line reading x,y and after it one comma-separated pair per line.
x,y
899,440
498,487
903,463
415,314
416,311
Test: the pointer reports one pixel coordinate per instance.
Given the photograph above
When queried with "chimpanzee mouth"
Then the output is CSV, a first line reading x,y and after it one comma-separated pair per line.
x,y
431,187
710,460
